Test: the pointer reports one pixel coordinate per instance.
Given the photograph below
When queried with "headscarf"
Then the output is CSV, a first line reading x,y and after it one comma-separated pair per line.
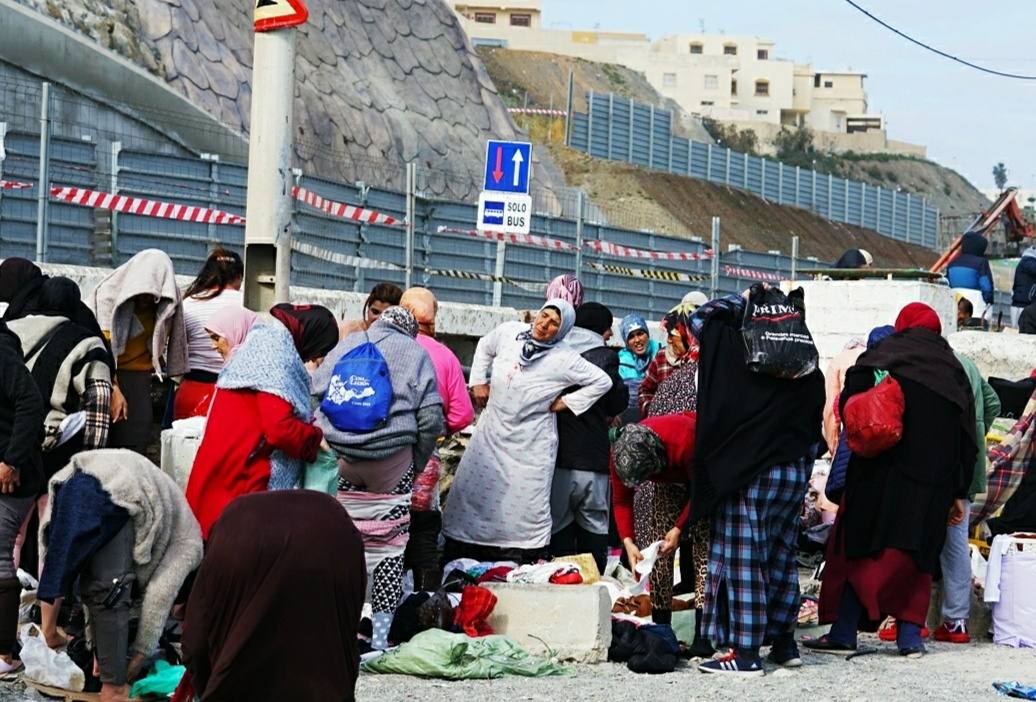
x,y
879,333
696,298
280,569
400,318
595,317
313,328
59,297
20,281
233,324
639,455
629,324
568,288
533,349
678,319
422,303
918,315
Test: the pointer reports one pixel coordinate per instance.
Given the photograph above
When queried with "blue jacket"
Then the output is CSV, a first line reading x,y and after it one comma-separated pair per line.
x,y
971,269
1025,279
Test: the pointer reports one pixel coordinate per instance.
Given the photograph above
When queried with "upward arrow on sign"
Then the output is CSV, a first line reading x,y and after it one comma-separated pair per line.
x,y
517,160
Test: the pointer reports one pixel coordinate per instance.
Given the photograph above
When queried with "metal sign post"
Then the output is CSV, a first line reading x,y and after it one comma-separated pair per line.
x,y
268,207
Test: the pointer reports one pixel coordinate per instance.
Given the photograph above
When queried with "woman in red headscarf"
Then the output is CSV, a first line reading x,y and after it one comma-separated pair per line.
x,y
892,519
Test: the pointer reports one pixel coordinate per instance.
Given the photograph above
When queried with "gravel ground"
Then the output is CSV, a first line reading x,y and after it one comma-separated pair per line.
x,y
948,672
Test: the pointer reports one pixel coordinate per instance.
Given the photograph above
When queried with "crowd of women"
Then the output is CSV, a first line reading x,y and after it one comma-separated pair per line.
x,y
580,445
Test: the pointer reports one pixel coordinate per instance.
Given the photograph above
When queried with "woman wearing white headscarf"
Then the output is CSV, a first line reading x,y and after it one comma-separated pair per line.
x,y
499,505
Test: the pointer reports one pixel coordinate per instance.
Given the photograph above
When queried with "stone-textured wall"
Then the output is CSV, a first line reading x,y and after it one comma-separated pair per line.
x,y
379,82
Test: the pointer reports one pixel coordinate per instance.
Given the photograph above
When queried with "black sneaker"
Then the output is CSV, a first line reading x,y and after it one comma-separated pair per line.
x,y
785,653
825,645
733,664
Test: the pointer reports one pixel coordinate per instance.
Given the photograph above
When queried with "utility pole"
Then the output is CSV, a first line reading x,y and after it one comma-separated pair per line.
x,y
268,207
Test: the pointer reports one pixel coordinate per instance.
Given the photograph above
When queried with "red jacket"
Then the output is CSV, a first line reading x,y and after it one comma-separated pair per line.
x,y
238,421
677,434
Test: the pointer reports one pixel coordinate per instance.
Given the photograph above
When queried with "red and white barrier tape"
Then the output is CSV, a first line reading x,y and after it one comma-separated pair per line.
x,y
339,209
752,274
536,111
611,249
526,239
342,259
14,185
144,208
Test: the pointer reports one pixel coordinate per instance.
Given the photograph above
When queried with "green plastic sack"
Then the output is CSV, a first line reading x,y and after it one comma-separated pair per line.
x,y
322,474
161,683
439,654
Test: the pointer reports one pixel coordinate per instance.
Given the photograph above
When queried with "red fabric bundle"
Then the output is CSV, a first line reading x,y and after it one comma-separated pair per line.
x,y
874,419
476,604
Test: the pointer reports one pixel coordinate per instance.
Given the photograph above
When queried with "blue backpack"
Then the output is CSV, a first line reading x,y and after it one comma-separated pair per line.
x,y
359,396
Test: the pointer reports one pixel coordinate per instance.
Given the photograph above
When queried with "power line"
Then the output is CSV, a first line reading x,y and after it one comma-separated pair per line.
x,y
951,57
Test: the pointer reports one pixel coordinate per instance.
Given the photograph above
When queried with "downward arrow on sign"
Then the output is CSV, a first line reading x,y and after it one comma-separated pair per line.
x,y
517,159
498,173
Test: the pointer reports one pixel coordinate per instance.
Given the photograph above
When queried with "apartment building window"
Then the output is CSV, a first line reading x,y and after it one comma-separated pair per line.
x,y
730,49
521,20
733,88
762,88
707,103
816,80
697,48
669,80
711,82
762,113
485,17
763,54
829,84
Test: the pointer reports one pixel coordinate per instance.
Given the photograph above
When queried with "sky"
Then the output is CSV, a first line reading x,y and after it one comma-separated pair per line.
x,y
968,120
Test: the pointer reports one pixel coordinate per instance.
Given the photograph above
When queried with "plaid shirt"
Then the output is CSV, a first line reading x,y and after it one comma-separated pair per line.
x,y
658,370
1010,459
97,403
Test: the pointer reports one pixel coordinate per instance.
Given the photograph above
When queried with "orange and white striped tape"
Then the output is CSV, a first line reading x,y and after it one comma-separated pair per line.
x,y
339,209
610,249
14,185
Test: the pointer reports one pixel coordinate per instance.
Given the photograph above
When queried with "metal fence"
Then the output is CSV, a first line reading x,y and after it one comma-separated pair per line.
x,y
624,130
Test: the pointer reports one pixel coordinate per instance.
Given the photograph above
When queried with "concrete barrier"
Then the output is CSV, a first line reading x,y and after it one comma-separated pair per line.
x,y
1006,355
572,622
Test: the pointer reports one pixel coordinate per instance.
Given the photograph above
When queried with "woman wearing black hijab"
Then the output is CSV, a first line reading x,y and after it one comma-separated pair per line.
x,y
274,610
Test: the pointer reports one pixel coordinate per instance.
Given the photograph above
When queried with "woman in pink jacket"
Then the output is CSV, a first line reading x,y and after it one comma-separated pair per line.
x,y
425,518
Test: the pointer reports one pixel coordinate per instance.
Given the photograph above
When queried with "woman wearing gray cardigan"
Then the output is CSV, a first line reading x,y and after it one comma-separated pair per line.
x,y
376,468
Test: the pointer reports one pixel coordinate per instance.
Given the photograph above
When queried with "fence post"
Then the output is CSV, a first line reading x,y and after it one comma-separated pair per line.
x,y
579,233
651,138
798,174
830,195
498,271
611,121
214,194
411,176
794,257
568,110
745,178
708,162
116,150
3,137
894,193
762,179
589,122
846,218
877,211
629,135
714,263
813,190
43,184
909,199
863,204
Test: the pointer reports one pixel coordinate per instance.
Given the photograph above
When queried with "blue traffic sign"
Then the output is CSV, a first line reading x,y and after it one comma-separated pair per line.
x,y
508,164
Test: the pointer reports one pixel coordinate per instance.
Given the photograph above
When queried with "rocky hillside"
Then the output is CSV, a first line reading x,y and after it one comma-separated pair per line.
x,y
544,79
379,82
671,204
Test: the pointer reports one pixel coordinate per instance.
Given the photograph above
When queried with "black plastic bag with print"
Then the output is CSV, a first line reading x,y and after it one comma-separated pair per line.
x,y
777,340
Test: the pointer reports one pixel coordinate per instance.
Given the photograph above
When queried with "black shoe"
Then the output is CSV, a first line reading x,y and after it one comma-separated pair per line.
x,y
785,653
825,645
700,648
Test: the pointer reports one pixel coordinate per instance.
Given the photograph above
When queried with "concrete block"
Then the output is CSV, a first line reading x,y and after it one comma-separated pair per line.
x,y
573,621
1005,355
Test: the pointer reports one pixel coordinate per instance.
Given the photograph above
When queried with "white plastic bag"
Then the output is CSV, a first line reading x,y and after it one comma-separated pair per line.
x,y
46,666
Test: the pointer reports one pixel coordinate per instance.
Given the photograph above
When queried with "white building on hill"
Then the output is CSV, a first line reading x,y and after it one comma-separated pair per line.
x,y
731,78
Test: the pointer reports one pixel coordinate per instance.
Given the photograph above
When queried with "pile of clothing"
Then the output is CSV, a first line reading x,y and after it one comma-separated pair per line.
x,y
647,648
